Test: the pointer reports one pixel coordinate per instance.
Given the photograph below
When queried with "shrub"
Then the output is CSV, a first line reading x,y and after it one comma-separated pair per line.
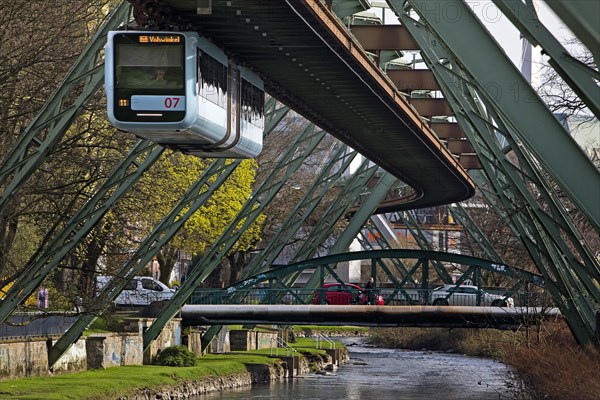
x,y
176,356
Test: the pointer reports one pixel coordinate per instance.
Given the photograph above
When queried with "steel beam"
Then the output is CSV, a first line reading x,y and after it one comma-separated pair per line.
x,y
330,175
383,37
447,130
288,163
537,229
424,316
431,107
215,175
582,18
407,80
194,198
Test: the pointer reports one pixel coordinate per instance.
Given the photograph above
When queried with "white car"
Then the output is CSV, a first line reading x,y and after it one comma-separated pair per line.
x,y
465,295
139,291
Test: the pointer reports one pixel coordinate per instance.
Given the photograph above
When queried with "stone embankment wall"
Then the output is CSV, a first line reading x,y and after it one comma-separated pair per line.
x,y
30,358
257,373
24,358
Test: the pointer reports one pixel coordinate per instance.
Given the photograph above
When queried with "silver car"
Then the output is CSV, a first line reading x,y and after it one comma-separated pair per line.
x,y
466,295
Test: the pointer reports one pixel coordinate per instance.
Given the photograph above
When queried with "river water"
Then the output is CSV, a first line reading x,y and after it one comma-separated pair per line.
x,y
390,374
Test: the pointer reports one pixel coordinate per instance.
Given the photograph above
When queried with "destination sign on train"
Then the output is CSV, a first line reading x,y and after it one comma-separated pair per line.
x,y
159,39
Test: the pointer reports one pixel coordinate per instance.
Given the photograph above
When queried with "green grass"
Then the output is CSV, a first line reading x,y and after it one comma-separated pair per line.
x,y
331,329
113,382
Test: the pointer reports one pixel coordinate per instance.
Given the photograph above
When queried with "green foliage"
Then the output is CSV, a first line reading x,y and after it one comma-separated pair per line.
x,y
176,356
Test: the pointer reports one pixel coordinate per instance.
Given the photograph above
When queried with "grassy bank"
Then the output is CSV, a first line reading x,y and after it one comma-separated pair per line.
x,y
112,383
550,364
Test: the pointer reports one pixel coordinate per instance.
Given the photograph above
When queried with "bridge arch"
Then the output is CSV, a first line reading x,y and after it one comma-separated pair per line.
x,y
419,255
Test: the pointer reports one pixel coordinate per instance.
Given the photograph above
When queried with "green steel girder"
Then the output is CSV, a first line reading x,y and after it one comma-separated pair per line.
x,y
464,219
579,76
385,236
472,262
378,193
559,217
195,197
341,159
122,178
288,163
411,222
350,192
524,207
327,179
409,276
555,219
514,99
582,18
524,212
381,241
559,281
51,123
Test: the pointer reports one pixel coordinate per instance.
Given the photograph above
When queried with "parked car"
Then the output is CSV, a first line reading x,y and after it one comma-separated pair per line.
x,y
344,294
139,291
465,295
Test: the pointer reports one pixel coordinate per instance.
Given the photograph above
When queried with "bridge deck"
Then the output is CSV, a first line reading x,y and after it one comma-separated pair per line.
x,y
310,62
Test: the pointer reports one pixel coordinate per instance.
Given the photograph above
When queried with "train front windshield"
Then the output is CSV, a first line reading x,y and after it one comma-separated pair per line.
x,y
149,77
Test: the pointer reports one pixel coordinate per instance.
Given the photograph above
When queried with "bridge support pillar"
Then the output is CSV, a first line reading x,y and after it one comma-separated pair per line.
x,y
335,355
293,365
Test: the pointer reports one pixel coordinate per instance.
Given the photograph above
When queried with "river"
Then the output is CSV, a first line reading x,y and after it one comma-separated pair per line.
x,y
390,374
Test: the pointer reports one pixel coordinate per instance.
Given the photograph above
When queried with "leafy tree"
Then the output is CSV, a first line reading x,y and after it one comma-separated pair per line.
x,y
164,185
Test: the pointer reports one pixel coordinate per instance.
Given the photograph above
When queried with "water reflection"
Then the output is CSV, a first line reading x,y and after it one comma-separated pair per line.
x,y
389,374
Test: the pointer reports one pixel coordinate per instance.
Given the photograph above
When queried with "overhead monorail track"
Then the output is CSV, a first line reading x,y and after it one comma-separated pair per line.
x,y
309,61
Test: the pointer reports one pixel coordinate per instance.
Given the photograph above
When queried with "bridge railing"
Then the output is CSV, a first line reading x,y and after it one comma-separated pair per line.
x,y
391,296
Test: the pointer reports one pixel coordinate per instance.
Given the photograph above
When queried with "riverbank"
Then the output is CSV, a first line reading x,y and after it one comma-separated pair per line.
x,y
213,372
548,362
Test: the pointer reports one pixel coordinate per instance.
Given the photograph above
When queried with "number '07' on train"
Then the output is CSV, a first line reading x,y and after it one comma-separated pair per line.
x,y
183,92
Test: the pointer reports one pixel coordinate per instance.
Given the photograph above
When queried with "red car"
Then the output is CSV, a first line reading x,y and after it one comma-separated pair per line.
x,y
338,294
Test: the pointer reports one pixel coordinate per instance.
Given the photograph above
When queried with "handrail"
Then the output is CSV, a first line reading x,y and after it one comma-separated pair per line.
x,y
320,338
280,343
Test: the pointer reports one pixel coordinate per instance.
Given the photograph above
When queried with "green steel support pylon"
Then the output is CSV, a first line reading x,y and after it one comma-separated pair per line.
x,y
290,162
51,123
197,195
358,220
580,76
494,127
129,171
513,99
464,219
330,175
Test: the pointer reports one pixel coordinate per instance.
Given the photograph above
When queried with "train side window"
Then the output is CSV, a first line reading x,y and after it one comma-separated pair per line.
x,y
213,79
253,104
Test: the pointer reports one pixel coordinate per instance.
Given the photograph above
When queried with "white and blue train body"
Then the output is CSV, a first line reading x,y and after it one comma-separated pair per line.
x,y
183,92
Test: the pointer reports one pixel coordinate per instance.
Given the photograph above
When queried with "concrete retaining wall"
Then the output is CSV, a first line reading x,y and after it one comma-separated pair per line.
x,y
245,340
30,357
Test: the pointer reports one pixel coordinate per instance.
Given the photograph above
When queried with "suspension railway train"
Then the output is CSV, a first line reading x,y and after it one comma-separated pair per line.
x,y
183,92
